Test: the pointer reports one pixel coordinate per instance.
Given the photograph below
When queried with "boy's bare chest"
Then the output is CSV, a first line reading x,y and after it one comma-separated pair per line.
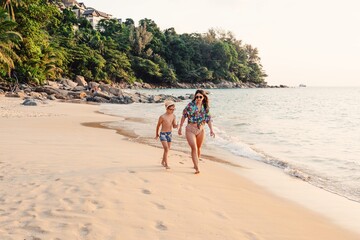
x,y
168,120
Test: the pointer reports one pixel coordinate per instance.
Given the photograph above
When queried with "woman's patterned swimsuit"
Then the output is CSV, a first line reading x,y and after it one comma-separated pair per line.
x,y
192,113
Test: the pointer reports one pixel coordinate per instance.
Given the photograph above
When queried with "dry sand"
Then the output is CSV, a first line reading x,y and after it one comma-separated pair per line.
x,y
60,179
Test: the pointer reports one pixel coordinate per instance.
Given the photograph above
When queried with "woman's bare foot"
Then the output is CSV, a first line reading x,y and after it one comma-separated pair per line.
x,y
165,165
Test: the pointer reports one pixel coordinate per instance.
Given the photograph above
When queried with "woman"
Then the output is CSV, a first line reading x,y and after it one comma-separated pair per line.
x,y
197,112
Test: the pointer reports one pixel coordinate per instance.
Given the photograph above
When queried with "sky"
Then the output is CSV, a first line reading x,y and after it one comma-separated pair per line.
x,y
311,42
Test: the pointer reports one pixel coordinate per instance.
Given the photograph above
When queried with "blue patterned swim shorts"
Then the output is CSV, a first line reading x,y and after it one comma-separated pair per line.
x,y
165,136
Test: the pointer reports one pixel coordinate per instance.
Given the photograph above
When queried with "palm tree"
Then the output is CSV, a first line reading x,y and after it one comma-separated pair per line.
x,y
8,40
9,6
252,53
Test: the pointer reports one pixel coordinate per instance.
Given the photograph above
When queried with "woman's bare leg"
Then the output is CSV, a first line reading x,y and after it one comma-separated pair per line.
x,y
199,141
191,139
165,155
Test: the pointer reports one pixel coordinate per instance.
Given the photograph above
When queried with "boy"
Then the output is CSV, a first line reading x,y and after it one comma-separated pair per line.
x,y
167,121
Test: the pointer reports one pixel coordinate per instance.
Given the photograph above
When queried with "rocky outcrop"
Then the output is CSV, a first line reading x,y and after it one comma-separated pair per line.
x,y
120,93
80,91
80,80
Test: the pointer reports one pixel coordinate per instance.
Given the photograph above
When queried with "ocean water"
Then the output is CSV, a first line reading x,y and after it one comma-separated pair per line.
x,y
310,133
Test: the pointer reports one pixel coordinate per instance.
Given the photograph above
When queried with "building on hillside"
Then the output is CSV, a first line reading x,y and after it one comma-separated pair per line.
x,y
69,3
91,14
78,9
94,16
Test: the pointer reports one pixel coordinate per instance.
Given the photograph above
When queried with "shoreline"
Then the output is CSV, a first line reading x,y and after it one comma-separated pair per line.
x,y
63,180
333,199
339,209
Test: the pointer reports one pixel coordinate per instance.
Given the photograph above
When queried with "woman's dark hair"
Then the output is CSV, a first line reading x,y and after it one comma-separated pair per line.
x,y
205,100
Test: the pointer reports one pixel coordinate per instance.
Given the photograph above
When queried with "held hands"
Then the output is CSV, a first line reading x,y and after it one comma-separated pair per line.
x,y
179,131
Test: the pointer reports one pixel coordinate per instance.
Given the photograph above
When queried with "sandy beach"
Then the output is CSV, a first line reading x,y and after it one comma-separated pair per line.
x,y
63,177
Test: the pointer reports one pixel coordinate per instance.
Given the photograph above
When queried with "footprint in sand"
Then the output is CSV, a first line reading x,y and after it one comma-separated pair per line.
x,y
251,236
144,180
85,230
89,205
3,213
160,206
33,238
68,200
1,178
73,189
35,229
160,225
132,171
220,215
145,191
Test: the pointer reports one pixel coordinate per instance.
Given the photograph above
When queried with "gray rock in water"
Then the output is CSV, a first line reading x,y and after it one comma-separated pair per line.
x,y
29,102
181,97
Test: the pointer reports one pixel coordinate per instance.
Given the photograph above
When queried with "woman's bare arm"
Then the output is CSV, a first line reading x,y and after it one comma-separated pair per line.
x,y
181,124
211,129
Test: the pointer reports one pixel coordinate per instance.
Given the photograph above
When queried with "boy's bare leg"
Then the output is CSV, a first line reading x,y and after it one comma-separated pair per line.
x,y
165,155
169,147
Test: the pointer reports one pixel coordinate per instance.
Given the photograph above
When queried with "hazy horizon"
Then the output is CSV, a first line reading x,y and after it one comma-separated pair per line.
x,y
315,43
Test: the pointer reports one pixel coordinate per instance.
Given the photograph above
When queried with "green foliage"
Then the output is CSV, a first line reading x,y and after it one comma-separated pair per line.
x,y
167,73
37,55
118,66
86,62
56,43
8,42
139,37
146,69
157,42
110,28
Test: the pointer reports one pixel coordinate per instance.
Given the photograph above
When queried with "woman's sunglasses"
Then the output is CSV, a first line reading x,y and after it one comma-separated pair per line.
x,y
199,97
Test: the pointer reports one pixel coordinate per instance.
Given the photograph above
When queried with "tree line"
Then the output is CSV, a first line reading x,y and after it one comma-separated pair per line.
x,y
39,42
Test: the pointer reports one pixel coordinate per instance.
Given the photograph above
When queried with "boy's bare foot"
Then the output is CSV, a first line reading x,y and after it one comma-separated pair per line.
x,y
197,172
163,164
167,167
